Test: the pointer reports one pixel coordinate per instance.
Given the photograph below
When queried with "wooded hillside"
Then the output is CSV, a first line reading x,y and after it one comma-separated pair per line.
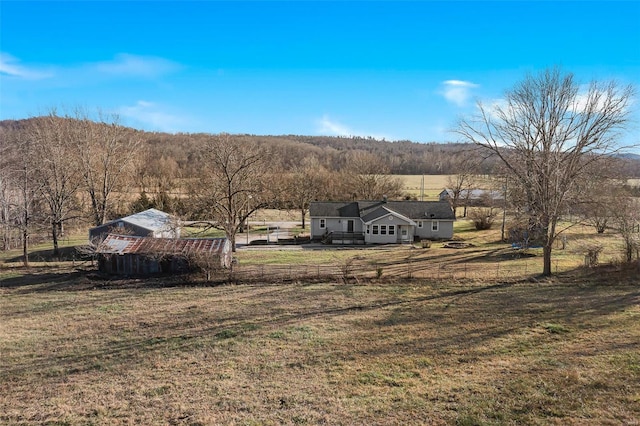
x,y
400,157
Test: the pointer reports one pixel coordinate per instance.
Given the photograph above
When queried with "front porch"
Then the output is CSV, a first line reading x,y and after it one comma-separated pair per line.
x,y
341,237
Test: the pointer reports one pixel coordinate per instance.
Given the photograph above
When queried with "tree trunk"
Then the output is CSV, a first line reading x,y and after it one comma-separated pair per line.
x,y
25,246
232,239
546,254
303,213
54,237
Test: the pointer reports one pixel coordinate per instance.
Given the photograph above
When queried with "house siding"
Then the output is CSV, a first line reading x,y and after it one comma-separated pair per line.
x,y
445,230
334,224
387,238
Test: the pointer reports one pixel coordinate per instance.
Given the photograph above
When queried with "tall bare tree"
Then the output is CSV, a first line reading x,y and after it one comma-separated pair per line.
x,y
5,190
232,183
364,177
461,183
548,132
106,154
308,181
23,202
57,175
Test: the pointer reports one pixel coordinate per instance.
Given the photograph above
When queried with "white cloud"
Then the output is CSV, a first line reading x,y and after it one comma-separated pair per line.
x,y
151,115
329,127
11,66
333,128
457,92
125,64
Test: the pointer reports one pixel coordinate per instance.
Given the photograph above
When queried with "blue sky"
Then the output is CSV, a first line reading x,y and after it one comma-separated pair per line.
x,y
394,70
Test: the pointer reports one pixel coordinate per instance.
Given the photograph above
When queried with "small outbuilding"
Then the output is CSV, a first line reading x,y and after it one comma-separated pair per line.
x,y
149,223
134,255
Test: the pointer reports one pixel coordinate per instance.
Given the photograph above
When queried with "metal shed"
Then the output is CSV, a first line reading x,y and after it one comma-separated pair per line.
x,y
133,255
148,223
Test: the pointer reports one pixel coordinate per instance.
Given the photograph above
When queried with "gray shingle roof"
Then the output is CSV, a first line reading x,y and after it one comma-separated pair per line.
x,y
415,210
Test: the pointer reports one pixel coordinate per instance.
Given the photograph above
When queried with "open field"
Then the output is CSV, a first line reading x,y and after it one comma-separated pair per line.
x,y
80,350
433,185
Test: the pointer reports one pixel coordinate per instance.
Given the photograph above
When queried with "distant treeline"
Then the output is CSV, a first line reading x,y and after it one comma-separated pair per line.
x,y
399,158
288,151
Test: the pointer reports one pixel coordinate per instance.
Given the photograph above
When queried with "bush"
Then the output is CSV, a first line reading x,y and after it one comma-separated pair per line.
x,y
482,218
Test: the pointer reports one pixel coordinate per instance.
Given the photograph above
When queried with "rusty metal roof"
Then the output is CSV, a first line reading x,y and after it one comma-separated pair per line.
x,y
125,244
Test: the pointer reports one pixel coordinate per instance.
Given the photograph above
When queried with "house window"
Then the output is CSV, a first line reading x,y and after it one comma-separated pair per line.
x,y
323,223
434,226
375,229
383,229
419,224
392,230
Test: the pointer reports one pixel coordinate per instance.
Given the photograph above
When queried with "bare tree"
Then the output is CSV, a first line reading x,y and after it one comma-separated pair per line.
x,y
106,154
22,209
6,190
366,178
461,183
232,183
547,133
605,197
56,175
309,181
627,221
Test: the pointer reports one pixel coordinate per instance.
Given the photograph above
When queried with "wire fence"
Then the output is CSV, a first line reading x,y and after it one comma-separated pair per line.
x,y
350,270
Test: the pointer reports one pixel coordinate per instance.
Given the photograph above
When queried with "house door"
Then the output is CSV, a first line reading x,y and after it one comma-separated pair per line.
x,y
404,231
349,225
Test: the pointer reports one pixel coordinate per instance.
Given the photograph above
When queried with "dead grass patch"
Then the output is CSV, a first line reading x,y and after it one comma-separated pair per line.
x,y
558,351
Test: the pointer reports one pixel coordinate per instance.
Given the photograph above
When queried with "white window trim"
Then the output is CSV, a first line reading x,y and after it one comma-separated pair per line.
x,y
375,230
323,223
419,224
435,226
392,230
383,229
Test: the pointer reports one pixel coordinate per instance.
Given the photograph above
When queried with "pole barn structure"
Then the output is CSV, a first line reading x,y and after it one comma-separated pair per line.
x,y
133,255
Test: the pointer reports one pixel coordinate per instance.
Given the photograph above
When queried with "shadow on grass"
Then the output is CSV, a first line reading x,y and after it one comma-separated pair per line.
x,y
49,278
472,315
44,279
67,254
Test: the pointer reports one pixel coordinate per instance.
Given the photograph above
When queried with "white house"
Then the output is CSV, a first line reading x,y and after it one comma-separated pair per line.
x,y
380,222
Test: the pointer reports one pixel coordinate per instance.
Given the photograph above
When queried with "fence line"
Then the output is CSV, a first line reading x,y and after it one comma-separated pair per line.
x,y
401,270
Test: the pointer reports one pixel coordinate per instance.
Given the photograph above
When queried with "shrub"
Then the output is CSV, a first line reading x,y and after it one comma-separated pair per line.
x,y
482,218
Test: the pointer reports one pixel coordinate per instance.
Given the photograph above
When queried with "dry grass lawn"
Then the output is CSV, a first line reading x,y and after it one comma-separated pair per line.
x,y
80,350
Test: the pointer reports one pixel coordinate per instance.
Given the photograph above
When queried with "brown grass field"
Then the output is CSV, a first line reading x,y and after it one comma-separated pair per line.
x,y
79,350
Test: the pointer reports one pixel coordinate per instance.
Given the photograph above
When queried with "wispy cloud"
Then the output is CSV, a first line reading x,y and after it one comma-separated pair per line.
x,y
457,92
333,128
152,116
125,64
330,127
11,66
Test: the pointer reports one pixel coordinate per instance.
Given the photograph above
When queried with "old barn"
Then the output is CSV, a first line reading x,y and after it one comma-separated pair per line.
x,y
133,255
